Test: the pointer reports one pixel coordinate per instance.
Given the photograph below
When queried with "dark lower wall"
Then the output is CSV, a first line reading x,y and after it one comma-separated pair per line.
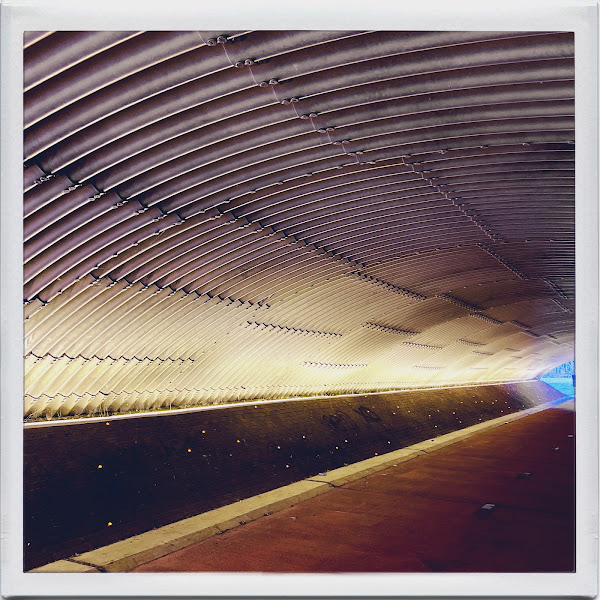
x,y
159,469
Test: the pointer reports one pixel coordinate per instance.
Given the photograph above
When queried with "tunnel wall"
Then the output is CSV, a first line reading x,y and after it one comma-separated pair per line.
x,y
236,215
161,468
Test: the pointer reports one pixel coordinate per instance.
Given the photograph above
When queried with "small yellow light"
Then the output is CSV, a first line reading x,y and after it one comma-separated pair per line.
x,y
287,466
278,447
203,431
99,466
109,524
107,423
189,449
238,441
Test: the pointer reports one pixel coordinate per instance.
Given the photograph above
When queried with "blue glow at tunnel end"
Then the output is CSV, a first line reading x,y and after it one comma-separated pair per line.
x,y
562,378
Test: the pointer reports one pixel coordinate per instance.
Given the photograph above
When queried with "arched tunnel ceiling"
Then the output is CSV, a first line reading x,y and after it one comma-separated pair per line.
x,y
218,216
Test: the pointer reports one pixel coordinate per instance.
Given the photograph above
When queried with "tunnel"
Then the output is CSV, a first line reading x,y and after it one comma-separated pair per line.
x,y
254,257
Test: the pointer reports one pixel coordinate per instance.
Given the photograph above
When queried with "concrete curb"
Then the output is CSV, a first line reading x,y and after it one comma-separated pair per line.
x,y
127,554
65,566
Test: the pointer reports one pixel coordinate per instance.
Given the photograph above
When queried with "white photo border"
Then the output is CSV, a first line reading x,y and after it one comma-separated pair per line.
x,y
580,17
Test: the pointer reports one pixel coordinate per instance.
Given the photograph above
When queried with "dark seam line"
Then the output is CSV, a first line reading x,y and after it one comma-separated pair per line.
x,y
87,564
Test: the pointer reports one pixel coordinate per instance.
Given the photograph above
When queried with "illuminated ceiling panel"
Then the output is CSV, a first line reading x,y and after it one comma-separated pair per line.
x,y
219,216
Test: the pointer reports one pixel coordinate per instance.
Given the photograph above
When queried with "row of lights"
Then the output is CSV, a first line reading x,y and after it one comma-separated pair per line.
x,y
292,330
387,329
469,343
457,302
426,346
519,324
334,365
485,318
387,286
108,357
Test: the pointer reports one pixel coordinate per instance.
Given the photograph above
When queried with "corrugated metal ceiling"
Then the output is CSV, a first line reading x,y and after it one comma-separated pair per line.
x,y
214,216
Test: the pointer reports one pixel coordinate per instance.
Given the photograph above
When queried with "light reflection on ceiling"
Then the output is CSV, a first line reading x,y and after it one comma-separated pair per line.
x,y
211,217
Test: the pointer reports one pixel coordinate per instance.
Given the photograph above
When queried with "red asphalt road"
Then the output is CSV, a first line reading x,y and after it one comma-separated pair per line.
x,y
423,515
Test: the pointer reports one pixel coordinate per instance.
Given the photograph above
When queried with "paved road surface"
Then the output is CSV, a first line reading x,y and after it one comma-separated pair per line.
x,y
425,514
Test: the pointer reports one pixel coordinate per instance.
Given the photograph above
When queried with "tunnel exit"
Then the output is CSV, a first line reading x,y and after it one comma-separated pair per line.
x,y
562,378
